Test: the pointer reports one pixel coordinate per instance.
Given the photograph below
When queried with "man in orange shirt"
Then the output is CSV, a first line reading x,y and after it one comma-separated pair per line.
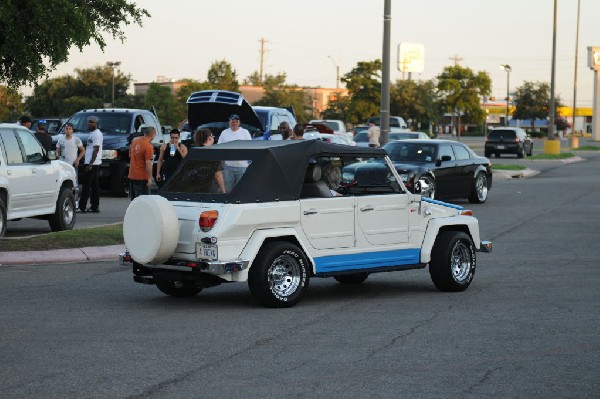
x,y
141,153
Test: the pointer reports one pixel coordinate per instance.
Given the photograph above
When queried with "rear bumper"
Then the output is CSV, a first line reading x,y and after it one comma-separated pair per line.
x,y
485,246
211,267
503,148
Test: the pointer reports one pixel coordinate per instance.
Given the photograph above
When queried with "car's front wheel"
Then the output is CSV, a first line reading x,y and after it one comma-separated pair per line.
x,y
279,275
453,261
354,278
430,183
479,189
64,216
2,218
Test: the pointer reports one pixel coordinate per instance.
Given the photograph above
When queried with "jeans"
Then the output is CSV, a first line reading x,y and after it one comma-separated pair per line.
x,y
137,188
90,187
232,175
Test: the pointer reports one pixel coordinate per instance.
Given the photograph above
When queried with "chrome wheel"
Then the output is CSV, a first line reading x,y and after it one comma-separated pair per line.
x,y
460,262
481,187
284,276
68,212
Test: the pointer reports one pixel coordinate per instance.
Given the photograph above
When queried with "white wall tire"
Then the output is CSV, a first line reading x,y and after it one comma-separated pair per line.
x,y
151,229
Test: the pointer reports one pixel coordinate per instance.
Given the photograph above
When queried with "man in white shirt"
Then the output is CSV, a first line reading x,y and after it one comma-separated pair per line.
x,y
90,187
69,148
233,170
373,134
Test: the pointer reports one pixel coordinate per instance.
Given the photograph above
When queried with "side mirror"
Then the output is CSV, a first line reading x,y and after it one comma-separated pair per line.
x,y
446,158
51,155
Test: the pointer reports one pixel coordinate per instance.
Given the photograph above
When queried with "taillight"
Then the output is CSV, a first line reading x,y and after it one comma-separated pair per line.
x,y
208,219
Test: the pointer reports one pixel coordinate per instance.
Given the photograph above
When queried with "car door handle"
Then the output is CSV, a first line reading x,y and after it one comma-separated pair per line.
x,y
311,212
367,209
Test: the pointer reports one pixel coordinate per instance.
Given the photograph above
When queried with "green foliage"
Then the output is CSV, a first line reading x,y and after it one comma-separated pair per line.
x,y
532,101
163,101
190,86
364,86
338,108
30,46
222,76
11,104
253,79
415,101
64,95
279,94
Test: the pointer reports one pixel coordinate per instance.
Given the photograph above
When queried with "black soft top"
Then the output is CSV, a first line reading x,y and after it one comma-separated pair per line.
x,y
276,172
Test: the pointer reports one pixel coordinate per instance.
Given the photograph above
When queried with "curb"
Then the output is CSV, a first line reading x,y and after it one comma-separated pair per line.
x,y
514,174
73,255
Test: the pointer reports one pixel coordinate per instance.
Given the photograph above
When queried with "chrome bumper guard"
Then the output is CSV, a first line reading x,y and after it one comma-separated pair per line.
x,y
485,246
215,267
125,259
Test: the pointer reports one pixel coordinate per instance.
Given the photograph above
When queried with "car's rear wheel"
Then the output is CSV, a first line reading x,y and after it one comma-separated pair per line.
x,y
354,278
173,289
453,261
479,189
521,152
530,153
488,154
2,218
64,216
497,155
279,275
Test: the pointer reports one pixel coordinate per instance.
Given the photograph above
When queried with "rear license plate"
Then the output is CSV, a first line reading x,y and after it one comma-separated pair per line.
x,y
500,147
207,251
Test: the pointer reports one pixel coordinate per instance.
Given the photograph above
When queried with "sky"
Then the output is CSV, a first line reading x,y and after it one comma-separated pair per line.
x,y
307,39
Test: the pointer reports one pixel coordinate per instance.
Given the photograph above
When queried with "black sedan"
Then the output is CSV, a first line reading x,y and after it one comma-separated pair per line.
x,y
450,169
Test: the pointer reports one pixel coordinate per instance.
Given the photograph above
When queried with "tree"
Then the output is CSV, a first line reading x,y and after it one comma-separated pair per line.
x,y
532,101
30,47
163,101
364,86
188,86
279,94
11,104
461,91
253,79
337,108
89,88
415,101
222,76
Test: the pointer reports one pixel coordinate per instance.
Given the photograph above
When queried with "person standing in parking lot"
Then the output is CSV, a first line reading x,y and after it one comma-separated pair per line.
x,y
233,170
373,134
141,154
70,148
170,156
25,120
298,133
90,186
44,138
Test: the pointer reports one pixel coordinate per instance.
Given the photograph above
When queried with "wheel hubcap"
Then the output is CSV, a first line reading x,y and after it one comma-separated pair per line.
x,y
284,276
68,212
482,189
460,262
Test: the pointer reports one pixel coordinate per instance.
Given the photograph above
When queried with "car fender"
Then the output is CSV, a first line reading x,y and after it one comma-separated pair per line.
x,y
468,224
66,173
257,239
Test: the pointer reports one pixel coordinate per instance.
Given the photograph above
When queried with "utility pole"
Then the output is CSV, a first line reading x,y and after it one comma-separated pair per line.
x,y
385,72
262,42
574,139
456,59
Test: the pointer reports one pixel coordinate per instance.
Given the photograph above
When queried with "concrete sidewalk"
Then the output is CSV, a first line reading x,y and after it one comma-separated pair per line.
x,y
74,255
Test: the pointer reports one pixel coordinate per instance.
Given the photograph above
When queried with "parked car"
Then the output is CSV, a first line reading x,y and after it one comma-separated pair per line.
x,y
337,126
362,138
53,125
508,140
278,236
448,168
118,127
395,121
32,182
211,109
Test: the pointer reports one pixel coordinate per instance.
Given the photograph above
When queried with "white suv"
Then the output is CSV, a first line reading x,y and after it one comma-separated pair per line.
x,y
32,182
290,219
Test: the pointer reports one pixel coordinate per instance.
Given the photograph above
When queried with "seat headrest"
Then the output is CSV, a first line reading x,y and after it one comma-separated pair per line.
x,y
313,173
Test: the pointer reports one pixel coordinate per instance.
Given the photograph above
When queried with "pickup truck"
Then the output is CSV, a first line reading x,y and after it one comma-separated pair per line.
x,y
32,182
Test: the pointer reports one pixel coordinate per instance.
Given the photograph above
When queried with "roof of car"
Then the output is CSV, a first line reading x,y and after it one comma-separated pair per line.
x,y
277,167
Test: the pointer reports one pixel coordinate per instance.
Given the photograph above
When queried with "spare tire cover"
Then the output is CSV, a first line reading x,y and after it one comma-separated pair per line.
x,y
150,229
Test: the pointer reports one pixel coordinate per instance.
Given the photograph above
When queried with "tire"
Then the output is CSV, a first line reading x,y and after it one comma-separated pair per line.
x,y
530,153
64,217
279,276
431,183
2,218
521,152
497,155
354,278
169,288
488,154
119,183
453,261
479,189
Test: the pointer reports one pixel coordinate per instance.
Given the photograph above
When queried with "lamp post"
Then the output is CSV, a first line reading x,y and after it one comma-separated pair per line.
x,y
112,66
508,70
337,72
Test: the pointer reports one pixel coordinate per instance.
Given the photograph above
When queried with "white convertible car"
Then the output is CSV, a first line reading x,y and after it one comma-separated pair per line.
x,y
289,219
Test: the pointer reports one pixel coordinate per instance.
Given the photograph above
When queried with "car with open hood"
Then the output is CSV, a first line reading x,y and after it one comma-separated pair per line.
x,y
211,109
289,219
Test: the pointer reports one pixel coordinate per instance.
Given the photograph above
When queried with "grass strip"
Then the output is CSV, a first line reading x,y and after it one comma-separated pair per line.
x,y
587,148
508,167
99,236
562,155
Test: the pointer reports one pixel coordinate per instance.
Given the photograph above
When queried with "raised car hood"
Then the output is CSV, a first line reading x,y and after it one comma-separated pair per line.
x,y
209,106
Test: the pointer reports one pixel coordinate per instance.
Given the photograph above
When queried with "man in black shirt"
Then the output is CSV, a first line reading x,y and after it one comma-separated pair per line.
x,y
44,138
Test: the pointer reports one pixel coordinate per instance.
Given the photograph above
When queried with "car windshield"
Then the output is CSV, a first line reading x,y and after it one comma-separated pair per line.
x,y
502,134
403,136
361,137
410,152
115,123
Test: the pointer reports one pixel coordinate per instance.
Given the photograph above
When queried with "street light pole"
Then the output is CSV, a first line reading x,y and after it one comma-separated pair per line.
x,y
337,72
112,66
508,70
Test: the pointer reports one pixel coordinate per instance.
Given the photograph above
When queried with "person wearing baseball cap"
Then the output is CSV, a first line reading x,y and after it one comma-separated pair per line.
x,y
90,185
25,120
233,170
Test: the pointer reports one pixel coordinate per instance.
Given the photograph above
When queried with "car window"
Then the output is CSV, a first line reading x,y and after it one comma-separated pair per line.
x,y
504,134
12,151
117,123
461,152
33,149
446,150
199,177
361,137
275,121
359,176
406,151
